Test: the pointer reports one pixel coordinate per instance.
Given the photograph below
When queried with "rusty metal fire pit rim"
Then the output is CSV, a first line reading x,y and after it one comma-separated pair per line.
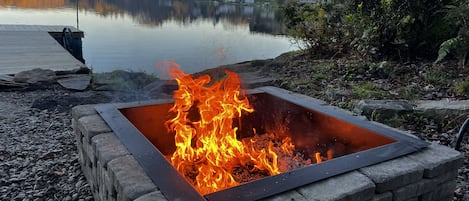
x,y
281,93
148,156
306,175
175,187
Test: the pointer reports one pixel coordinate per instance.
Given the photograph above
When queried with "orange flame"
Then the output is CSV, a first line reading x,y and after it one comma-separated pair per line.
x,y
207,148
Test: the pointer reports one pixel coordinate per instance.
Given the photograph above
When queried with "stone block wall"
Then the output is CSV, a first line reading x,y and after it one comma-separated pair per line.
x,y
114,174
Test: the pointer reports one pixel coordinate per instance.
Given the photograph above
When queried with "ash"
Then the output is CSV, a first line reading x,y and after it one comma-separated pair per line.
x,y
286,162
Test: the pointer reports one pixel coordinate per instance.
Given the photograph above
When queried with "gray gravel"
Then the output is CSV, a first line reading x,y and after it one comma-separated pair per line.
x,y
38,156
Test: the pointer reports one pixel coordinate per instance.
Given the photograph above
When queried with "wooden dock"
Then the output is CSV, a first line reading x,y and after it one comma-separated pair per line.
x,y
25,47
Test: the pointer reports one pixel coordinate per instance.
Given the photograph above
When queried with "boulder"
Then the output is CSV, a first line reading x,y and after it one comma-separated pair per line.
x,y
383,108
76,82
35,75
443,107
337,94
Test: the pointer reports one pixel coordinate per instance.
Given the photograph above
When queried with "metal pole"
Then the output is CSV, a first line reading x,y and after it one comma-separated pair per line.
x,y
78,26
456,143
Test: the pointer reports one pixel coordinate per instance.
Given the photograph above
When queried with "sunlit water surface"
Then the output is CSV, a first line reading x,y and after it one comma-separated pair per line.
x,y
118,41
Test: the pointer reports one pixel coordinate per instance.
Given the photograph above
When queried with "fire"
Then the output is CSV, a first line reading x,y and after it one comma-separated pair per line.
x,y
207,147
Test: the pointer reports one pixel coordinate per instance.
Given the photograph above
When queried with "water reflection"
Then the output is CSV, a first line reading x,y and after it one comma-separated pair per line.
x,y
137,34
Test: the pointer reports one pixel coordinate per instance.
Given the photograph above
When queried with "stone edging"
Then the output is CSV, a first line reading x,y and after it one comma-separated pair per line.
x,y
114,174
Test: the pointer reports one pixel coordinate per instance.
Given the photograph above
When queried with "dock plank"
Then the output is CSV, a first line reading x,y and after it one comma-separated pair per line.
x,y
42,28
28,47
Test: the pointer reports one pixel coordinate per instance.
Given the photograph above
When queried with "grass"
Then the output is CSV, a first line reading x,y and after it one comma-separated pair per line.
x,y
368,90
462,88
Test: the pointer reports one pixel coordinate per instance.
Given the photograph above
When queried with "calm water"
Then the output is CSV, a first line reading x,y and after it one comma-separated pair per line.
x,y
135,35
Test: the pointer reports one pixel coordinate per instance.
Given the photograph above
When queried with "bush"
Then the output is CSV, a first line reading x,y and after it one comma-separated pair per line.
x,y
319,28
403,28
395,29
458,15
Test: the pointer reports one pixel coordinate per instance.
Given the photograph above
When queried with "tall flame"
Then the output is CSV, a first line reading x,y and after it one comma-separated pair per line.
x,y
207,148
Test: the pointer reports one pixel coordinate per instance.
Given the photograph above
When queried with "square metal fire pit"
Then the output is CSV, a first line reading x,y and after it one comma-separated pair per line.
x,y
140,127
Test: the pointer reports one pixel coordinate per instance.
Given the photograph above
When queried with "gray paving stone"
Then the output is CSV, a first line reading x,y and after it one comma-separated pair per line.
x,y
129,178
83,110
108,147
289,195
412,199
448,198
443,191
383,108
92,125
89,151
438,159
446,177
387,196
413,190
153,196
393,174
443,107
351,186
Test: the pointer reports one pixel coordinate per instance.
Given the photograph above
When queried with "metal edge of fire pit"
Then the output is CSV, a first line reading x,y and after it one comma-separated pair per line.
x,y
175,187
283,182
172,184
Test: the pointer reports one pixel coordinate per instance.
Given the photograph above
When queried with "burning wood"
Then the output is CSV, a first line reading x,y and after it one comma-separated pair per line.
x,y
208,151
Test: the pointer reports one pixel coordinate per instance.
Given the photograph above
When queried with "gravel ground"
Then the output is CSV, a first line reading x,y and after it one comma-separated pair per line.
x,y
38,155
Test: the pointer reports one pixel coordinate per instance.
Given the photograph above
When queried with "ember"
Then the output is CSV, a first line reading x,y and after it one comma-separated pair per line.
x,y
208,151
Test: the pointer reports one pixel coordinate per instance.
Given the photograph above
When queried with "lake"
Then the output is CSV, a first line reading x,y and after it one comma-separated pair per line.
x,y
135,35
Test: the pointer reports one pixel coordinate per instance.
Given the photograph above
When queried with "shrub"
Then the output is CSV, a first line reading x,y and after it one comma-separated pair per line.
x,y
458,15
319,28
462,88
395,29
401,28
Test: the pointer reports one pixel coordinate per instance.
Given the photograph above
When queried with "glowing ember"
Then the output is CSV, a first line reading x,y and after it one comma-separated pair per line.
x,y
208,152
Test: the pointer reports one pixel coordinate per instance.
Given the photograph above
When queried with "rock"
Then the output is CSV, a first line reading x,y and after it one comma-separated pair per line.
x,y
67,101
7,78
443,107
337,94
160,89
121,80
76,82
35,75
382,108
9,110
251,80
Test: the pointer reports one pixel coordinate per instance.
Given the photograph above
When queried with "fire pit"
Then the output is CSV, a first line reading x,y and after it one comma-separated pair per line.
x,y
312,128
282,143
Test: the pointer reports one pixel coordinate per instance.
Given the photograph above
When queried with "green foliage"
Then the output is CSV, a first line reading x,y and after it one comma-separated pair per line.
x,y
400,28
446,47
368,90
318,76
319,28
395,29
408,93
458,45
462,88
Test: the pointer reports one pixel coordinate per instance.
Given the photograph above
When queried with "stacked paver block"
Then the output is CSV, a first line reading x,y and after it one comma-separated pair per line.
x,y
114,174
